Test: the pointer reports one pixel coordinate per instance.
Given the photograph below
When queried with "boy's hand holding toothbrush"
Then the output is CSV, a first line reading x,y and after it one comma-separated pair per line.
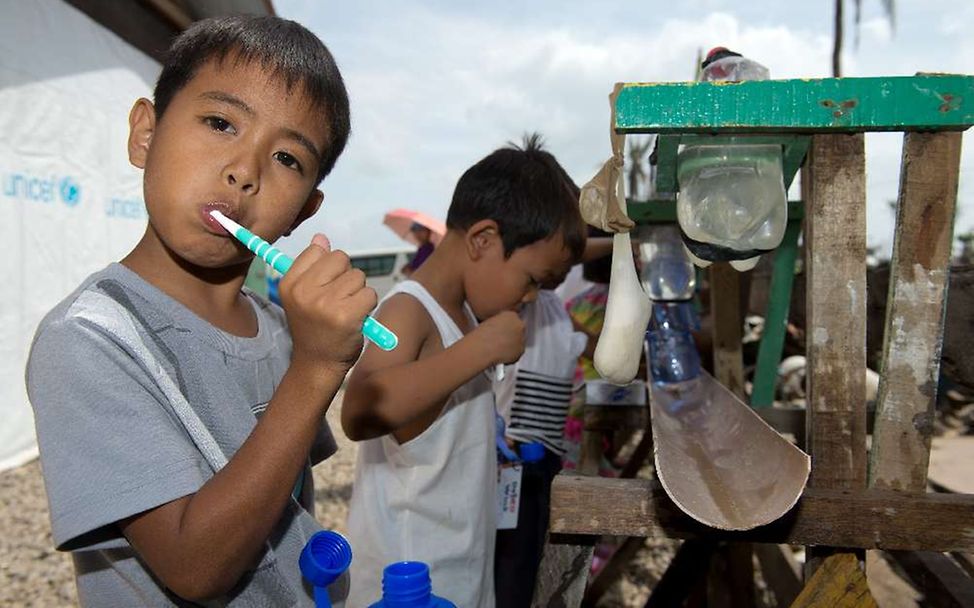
x,y
502,337
326,301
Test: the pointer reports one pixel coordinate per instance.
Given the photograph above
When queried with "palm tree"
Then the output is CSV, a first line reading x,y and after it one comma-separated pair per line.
x,y
889,8
966,248
637,150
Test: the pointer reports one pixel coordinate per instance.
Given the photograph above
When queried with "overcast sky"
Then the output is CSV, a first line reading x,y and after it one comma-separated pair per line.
x,y
437,85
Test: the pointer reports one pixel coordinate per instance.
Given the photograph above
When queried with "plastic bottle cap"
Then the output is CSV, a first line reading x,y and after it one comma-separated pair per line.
x,y
531,452
324,558
408,585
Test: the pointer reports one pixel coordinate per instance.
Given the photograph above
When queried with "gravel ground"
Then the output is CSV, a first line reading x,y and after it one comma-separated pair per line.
x,y
33,574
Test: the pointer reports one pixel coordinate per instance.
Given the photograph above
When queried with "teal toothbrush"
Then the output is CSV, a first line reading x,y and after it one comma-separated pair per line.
x,y
378,333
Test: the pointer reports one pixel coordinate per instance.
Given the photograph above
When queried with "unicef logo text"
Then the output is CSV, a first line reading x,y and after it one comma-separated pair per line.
x,y
70,192
47,190
126,208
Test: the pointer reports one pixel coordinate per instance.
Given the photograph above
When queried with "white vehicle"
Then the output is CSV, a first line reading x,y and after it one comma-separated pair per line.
x,y
383,267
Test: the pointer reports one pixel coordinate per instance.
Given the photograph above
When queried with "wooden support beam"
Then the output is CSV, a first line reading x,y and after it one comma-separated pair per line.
x,y
867,519
642,453
834,184
614,417
791,420
780,570
835,229
590,458
563,572
599,421
731,578
915,311
728,326
137,23
686,568
965,561
785,420
613,570
839,583
941,580
171,12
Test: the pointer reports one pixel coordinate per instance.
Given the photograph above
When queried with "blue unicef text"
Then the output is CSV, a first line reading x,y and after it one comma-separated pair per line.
x,y
35,189
126,208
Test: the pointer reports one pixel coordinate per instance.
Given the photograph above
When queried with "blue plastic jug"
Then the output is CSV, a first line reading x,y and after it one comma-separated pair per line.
x,y
408,585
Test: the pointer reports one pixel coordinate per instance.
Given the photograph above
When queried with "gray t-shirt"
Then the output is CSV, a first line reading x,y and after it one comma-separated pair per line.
x,y
137,402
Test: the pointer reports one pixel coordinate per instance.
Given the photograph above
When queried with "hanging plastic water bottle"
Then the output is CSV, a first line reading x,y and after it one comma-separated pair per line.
x,y
668,274
408,585
674,362
732,204
723,64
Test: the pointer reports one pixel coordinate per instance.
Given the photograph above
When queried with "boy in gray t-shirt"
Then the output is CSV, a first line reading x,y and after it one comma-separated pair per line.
x,y
176,418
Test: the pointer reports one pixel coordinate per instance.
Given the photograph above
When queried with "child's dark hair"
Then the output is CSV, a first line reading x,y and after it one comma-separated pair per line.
x,y
287,48
526,192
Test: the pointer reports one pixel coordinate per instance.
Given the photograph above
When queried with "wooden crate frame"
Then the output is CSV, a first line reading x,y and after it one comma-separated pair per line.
x,y
850,504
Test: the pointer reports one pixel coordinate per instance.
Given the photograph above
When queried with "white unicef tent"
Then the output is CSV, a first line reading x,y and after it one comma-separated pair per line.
x,y
70,203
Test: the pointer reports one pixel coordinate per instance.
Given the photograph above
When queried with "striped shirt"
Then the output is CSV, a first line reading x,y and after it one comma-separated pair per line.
x,y
539,409
534,397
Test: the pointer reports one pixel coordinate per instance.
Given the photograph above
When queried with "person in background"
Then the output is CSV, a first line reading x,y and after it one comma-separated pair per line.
x,y
533,400
587,312
425,239
426,473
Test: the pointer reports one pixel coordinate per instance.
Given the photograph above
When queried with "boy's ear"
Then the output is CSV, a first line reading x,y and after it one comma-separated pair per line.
x,y
481,237
310,207
142,124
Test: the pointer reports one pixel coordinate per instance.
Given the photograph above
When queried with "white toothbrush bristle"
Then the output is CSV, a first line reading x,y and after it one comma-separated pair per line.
x,y
230,225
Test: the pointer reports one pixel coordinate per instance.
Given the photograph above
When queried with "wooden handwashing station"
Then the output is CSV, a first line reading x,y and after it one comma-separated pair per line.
x,y
735,488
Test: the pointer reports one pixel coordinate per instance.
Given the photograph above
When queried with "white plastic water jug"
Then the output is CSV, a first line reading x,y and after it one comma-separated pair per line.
x,y
732,204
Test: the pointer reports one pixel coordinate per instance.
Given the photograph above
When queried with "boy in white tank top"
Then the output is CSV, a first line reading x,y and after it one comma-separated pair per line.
x,y
426,474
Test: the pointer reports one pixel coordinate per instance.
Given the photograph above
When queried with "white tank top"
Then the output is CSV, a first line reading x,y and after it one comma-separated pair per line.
x,y
431,499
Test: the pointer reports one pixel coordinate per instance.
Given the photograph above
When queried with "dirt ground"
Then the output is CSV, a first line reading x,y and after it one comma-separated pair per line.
x,y
33,574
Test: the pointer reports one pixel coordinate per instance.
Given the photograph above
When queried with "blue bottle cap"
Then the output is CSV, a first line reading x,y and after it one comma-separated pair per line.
x,y
532,452
324,558
408,585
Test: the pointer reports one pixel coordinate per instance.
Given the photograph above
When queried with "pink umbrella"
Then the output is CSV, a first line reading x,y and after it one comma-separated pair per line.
x,y
401,220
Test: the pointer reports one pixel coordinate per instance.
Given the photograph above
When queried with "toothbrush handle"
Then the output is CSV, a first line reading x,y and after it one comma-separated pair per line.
x,y
379,334
371,329
265,251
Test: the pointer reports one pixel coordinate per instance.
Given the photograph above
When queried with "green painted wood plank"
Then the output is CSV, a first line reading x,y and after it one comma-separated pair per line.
x,y
666,152
793,157
652,212
663,211
898,103
776,319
